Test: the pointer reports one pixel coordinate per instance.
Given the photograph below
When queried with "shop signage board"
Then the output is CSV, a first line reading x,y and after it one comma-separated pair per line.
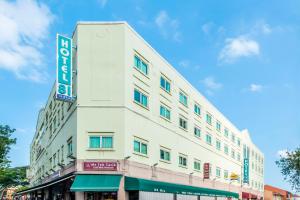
x,y
246,171
206,171
100,166
64,68
234,176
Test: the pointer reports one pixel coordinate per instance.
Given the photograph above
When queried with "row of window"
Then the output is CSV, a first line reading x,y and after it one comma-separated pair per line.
x,y
141,65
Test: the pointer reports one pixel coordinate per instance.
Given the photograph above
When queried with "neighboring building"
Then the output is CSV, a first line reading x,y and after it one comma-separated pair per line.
x,y
274,193
137,130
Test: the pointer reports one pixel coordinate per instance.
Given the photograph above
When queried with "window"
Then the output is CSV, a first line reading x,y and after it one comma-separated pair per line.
x,y
182,98
140,65
197,110
233,138
50,163
197,132
70,147
226,132
218,144
182,123
140,147
225,174
218,126
165,112
62,153
226,149
100,142
208,118
197,165
182,161
238,156
208,139
165,84
54,160
58,154
140,98
165,155
239,142
218,172
232,153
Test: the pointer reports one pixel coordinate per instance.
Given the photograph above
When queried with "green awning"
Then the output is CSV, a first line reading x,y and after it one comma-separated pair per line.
x,y
136,184
96,182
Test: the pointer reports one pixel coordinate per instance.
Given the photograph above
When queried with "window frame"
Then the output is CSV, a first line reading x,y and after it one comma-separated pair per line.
x,y
197,161
181,118
210,140
184,157
197,109
140,67
141,143
208,116
167,109
199,130
166,82
185,98
164,150
141,94
101,136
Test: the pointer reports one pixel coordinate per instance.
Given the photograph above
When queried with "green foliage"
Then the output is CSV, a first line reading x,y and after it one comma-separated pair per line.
x,y
5,143
290,168
13,177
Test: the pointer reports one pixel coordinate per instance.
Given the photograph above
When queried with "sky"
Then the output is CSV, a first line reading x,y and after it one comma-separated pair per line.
x,y
244,56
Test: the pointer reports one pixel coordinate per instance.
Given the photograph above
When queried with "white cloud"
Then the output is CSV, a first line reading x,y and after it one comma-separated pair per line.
x,y
255,87
24,25
207,27
238,47
168,27
211,85
282,153
102,3
261,27
184,63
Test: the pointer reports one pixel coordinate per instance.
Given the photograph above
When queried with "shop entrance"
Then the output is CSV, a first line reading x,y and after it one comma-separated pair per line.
x,y
101,196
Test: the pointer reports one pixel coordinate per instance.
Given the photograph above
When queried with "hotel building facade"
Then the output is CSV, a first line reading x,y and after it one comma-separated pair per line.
x,y
136,130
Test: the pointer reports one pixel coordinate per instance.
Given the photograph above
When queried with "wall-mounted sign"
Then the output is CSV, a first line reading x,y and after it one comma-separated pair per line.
x,y
63,68
246,171
100,166
234,176
206,171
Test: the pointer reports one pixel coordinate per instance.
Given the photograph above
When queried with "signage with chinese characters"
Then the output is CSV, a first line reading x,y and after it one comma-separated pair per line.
x,y
246,171
100,166
64,68
206,171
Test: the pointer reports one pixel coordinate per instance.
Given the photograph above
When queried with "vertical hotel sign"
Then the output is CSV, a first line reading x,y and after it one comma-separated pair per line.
x,y
63,68
246,171
206,171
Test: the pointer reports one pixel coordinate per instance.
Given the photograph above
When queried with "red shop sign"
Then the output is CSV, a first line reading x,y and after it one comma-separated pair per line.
x,y
100,166
206,171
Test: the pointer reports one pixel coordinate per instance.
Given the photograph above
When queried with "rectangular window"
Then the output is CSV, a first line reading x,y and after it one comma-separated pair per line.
x,y
182,123
140,65
165,84
70,147
225,174
208,139
140,147
165,155
218,126
165,112
232,153
208,118
197,110
100,142
183,98
226,151
233,138
218,172
197,165
62,153
218,144
238,156
182,161
140,98
54,160
197,132
226,132
239,142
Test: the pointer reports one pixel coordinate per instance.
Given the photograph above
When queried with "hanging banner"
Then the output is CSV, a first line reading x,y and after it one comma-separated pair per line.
x,y
246,171
64,68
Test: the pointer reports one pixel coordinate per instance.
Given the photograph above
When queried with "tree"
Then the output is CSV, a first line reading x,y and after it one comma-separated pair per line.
x,y
5,143
290,168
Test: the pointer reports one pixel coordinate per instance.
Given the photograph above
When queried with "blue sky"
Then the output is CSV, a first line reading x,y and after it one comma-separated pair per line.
x,y
244,56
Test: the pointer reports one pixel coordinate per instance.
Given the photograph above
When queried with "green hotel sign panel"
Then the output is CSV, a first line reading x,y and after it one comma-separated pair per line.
x,y
246,171
63,68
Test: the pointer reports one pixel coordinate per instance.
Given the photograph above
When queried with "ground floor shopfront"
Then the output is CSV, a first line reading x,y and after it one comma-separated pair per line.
x,y
117,186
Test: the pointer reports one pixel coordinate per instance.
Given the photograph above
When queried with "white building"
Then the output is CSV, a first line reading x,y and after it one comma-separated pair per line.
x,y
137,130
